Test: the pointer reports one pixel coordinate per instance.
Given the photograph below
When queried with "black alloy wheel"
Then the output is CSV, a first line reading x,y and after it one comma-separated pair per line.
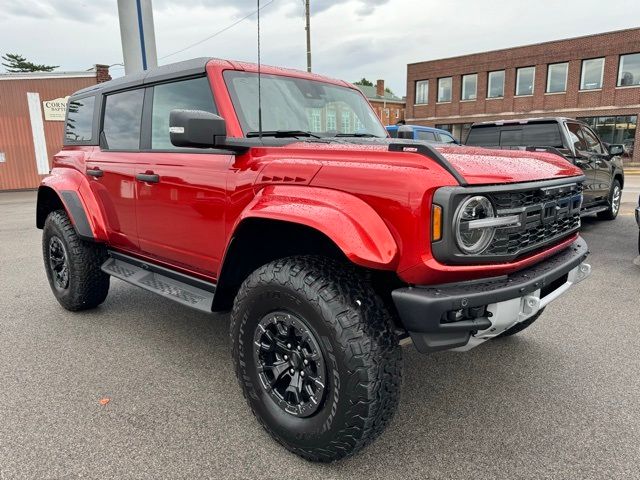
x,y
58,263
290,363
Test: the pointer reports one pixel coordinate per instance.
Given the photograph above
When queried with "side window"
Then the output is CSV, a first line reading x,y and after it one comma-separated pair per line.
x,y
576,137
194,94
446,138
122,118
593,144
79,126
428,136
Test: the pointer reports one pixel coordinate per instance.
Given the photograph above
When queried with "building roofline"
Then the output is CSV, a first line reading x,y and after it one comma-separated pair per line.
x,y
46,75
456,57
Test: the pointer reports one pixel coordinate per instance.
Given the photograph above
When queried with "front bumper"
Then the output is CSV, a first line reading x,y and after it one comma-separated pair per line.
x,y
464,315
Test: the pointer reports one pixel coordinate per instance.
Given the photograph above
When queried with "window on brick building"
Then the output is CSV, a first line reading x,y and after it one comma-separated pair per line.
x,y
495,87
469,87
629,71
444,89
332,124
422,92
525,80
557,77
592,74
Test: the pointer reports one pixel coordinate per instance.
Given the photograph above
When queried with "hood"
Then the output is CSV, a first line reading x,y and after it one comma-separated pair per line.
x,y
476,165
484,165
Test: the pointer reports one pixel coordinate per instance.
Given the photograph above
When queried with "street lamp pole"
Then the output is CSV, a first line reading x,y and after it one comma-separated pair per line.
x,y
307,15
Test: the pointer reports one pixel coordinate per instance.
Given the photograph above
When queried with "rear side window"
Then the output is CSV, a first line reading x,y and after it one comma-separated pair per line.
x,y
122,119
526,135
79,126
446,138
428,136
393,133
194,94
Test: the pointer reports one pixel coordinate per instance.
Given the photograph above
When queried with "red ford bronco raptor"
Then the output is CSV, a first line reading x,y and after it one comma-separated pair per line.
x,y
278,195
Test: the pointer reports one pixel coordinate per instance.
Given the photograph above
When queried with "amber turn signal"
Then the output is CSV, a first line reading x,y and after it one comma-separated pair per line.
x,y
436,223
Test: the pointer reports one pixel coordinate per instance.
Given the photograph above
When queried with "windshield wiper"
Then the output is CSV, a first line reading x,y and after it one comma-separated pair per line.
x,y
282,134
368,135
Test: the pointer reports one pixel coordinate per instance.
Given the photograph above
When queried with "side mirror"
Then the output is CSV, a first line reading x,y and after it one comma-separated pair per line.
x,y
405,131
615,149
196,129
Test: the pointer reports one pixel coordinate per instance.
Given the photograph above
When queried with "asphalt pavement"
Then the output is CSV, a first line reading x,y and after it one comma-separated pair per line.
x,y
144,388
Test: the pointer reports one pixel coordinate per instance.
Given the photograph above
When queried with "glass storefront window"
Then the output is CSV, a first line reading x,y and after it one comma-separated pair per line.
x,y
629,72
618,129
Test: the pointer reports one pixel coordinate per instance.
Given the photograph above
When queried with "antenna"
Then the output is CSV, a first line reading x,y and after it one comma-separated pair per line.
x,y
259,83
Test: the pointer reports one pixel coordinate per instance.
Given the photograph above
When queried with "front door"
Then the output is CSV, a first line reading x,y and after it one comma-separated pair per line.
x,y
111,168
602,168
181,192
584,159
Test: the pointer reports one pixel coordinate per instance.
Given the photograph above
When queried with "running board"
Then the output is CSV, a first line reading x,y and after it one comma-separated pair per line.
x,y
592,210
175,286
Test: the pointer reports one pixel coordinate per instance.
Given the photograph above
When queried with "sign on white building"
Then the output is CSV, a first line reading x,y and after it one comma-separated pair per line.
x,y
54,110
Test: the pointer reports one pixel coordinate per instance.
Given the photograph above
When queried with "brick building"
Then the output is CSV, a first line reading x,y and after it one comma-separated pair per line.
x,y
390,108
595,78
32,114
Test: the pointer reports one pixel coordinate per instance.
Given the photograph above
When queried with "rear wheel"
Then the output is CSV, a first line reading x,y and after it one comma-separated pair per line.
x,y
316,356
72,265
615,197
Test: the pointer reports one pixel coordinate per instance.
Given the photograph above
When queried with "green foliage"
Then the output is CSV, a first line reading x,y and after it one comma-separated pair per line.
x,y
388,90
16,63
364,82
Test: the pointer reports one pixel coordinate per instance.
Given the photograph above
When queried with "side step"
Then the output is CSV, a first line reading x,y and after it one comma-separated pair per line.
x,y
175,286
592,210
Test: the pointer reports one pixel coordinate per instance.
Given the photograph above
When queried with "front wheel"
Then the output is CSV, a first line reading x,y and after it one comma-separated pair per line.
x,y
615,197
72,265
316,356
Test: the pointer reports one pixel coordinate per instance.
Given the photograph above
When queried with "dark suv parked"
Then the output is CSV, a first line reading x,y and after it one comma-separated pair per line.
x,y
573,140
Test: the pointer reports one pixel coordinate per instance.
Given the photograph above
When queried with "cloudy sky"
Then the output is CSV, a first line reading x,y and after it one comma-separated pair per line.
x,y
350,38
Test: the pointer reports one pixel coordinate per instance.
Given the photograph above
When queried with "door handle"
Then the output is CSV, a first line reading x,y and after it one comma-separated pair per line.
x,y
148,177
95,172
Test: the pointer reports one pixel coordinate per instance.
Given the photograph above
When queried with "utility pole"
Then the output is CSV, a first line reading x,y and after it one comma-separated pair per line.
x,y
137,35
307,15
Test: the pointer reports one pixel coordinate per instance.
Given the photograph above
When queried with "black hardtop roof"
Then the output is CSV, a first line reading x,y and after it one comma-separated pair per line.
x,y
195,66
516,121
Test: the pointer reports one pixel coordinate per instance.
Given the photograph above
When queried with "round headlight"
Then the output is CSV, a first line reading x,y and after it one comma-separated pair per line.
x,y
471,236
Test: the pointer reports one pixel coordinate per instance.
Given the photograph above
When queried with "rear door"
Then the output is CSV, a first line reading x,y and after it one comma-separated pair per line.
x,y
181,192
111,167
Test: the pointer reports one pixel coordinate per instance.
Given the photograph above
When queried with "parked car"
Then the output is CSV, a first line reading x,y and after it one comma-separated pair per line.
x,y
575,141
418,132
327,248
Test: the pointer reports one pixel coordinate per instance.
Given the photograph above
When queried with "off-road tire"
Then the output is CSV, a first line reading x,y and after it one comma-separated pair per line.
x,y
361,352
518,327
88,286
614,204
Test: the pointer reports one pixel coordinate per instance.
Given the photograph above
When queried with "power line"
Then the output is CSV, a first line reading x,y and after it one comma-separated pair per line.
x,y
219,31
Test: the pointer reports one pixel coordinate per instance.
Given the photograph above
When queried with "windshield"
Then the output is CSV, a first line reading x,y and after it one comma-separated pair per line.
x,y
294,104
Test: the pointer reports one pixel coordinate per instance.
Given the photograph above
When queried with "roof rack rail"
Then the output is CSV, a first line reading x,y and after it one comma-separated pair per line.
x,y
430,152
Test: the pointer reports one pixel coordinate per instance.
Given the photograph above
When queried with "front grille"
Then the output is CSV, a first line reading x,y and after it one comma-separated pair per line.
x,y
527,198
547,214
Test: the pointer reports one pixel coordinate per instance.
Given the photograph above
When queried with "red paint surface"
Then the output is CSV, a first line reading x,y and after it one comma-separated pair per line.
x,y
374,204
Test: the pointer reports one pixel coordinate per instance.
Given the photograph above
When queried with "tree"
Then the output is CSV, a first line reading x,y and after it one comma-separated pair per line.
x,y
364,82
388,90
17,63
